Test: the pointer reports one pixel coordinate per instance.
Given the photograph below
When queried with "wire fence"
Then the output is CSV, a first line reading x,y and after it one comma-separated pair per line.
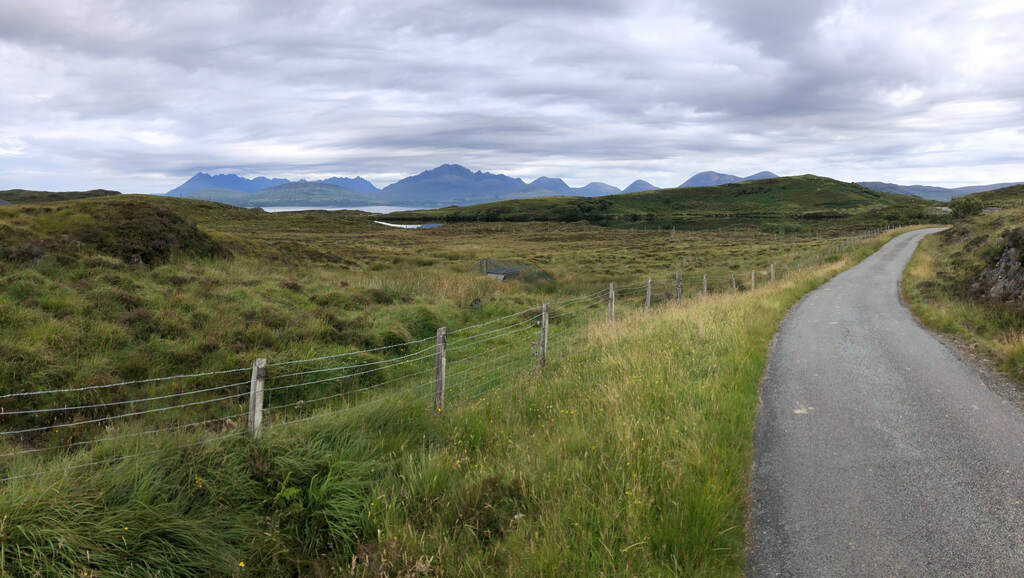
x,y
64,429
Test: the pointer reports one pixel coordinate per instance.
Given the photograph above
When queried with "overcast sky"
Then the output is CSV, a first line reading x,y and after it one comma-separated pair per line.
x,y
139,95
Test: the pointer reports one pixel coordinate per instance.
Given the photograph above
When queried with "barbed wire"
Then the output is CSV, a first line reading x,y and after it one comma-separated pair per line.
x,y
120,383
123,402
120,416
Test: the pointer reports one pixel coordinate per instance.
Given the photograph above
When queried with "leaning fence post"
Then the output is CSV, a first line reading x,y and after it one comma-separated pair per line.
x,y
647,296
259,374
543,333
611,302
679,285
732,279
440,362
704,284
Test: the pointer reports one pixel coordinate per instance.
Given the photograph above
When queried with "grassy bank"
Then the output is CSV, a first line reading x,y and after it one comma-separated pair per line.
x,y
628,454
939,285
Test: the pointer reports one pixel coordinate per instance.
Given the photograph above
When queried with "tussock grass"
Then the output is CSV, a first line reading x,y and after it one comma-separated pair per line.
x,y
627,455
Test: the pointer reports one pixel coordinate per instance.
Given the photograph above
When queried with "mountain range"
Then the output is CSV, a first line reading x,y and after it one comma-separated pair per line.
x,y
452,184
448,184
929,192
711,179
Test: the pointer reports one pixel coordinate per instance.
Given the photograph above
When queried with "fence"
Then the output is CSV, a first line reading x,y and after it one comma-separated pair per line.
x,y
455,366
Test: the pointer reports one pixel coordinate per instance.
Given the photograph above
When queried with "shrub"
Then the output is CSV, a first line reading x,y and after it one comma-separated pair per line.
x,y
964,207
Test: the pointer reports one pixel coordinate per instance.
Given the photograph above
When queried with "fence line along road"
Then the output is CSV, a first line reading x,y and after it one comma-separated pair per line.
x,y
465,362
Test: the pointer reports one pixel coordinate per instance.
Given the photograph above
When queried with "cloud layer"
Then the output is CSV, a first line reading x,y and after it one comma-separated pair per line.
x,y
139,95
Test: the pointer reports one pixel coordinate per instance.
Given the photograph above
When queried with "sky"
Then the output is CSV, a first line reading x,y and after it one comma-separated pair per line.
x,y
138,95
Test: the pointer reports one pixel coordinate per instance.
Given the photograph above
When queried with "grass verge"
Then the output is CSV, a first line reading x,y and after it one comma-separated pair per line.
x,y
937,286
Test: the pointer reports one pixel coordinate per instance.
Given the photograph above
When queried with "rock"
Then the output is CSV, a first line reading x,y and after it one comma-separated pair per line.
x,y
1003,281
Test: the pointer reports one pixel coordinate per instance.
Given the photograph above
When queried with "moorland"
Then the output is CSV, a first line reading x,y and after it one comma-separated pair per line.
x,y
627,453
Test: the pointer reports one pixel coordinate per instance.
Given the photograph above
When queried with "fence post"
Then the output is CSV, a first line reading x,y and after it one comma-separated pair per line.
x,y
679,285
753,279
259,374
732,279
819,259
704,284
611,303
543,334
647,296
440,362
772,269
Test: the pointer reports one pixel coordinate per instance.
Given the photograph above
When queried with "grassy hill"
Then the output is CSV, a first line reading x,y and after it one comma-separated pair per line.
x,y
1012,196
801,199
22,196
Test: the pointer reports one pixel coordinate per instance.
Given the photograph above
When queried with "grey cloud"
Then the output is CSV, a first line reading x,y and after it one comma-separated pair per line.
x,y
608,90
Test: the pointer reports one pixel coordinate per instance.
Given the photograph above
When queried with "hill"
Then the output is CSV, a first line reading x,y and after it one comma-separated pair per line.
x,y
316,194
20,196
232,182
450,184
804,198
930,192
711,178
1005,197
639,185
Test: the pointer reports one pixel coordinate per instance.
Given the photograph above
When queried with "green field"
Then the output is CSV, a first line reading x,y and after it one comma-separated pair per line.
x,y
527,470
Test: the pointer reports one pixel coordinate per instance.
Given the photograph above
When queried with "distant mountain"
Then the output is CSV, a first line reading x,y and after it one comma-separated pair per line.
x,y
597,190
450,184
761,176
232,182
929,192
639,185
712,179
553,185
358,184
315,194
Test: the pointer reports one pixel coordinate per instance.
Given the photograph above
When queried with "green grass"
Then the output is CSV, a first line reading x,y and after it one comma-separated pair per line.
x,y
628,454
937,285
803,203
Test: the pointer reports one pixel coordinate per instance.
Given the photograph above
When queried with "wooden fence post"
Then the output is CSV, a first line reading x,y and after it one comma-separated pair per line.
x,y
772,269
647,296
259,374
543,334
732,279
440,362
679,285
611,303
704,284
753,280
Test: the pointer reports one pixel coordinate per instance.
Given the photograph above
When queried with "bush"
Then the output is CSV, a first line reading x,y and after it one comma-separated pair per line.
x,y
964,207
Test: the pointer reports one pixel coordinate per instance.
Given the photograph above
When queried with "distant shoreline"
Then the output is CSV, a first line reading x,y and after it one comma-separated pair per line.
x,y
377,209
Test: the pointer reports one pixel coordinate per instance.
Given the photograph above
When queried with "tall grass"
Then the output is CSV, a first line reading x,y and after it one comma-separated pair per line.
x,y
627,455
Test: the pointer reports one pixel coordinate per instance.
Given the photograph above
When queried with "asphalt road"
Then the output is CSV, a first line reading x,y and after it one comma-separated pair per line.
x,y
877,452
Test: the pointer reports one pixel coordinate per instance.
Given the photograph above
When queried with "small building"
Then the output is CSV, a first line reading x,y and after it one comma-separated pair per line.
x,y
503,273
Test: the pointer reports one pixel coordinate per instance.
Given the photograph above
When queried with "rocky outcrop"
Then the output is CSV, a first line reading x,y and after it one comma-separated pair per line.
x,y
1003,280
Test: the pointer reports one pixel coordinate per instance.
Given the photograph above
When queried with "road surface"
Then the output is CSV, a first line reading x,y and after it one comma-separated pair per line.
x,y
877,452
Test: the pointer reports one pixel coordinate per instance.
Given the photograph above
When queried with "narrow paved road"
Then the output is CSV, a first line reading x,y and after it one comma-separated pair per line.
x,y
876,451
